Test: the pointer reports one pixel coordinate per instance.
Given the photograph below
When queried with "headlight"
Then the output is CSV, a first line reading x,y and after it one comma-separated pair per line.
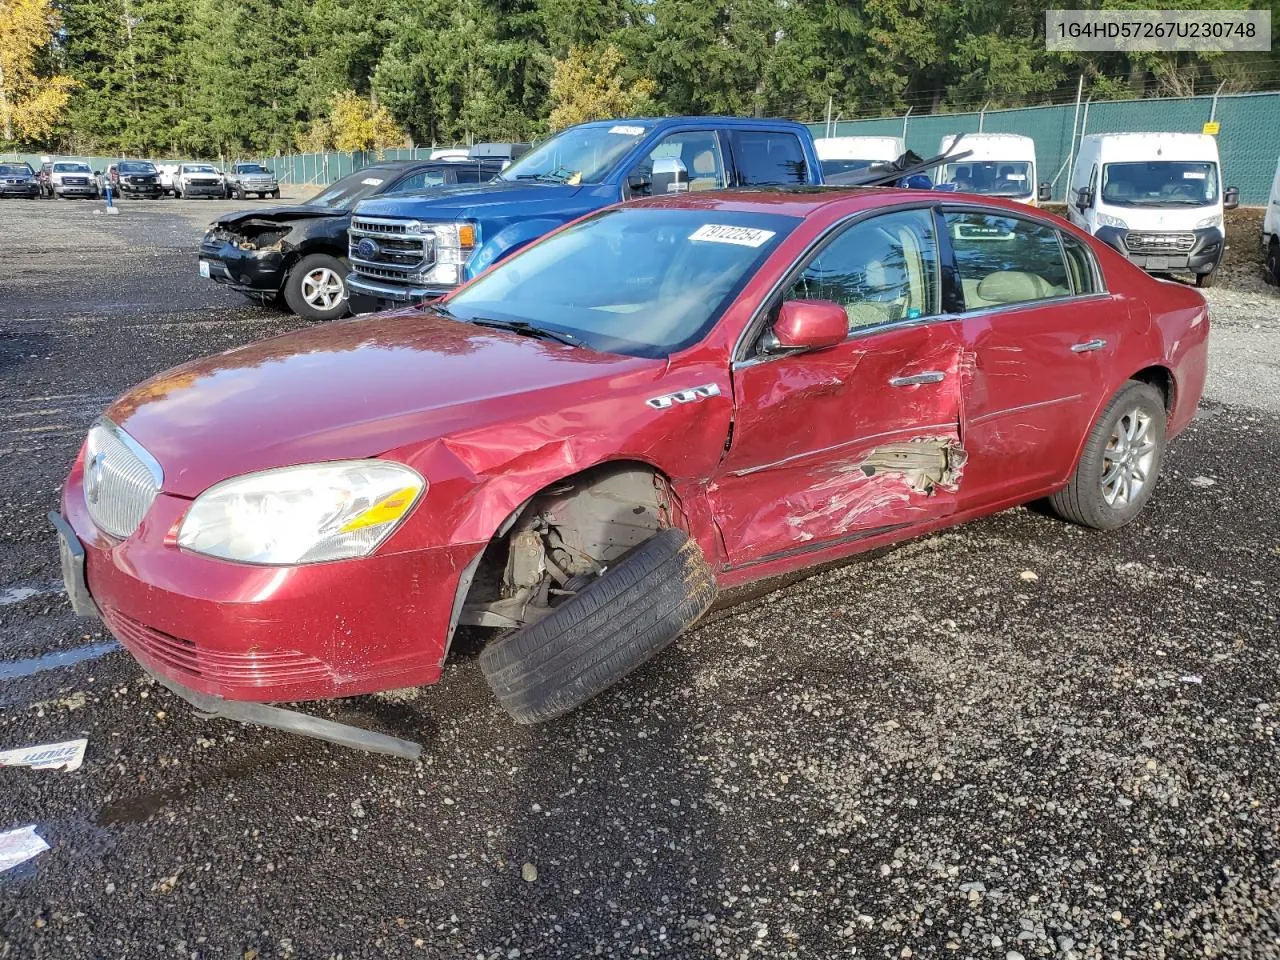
x,y
306,514
1214,221
454,244
1106,220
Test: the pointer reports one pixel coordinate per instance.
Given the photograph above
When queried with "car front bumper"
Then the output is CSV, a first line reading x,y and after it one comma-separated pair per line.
x,y
31,189
75,189
265,187
203,190
249,271
391,294
256,633
148,190
1203,256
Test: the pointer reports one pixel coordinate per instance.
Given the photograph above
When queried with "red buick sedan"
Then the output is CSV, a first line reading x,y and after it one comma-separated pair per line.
x,y
582,446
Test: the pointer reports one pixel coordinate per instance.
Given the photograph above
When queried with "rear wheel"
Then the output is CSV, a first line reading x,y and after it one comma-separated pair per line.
x,y
316,288
604,631
237,193
1273,261
1117,470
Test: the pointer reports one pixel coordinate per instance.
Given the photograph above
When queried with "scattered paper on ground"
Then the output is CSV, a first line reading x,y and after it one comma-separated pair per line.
x,y
19,846
49,756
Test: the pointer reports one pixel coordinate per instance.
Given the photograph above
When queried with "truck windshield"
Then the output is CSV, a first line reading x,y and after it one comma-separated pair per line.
x,y
993,178
198,168
357,186
832,167
1160,183
251,168
135,166
584,154
643,281
71,168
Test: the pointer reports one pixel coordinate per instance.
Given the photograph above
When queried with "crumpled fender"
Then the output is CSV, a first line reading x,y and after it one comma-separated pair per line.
x,y
508,240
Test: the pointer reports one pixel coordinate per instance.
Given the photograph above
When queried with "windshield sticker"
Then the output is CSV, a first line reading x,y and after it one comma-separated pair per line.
x,y
1193,175
723,233
626,131
1015,176
371,182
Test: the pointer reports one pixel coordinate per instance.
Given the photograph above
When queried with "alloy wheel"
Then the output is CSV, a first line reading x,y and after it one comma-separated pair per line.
x,y
323,289
1128,458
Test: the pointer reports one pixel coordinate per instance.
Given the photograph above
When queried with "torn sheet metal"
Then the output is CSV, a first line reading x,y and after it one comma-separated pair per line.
x,y
66,756
20,845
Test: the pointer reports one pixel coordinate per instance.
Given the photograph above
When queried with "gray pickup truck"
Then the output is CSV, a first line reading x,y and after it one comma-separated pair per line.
x,y
246,178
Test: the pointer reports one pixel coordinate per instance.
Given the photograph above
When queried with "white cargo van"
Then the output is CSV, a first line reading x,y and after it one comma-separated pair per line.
x,y
1271,230
854,157
998,165
1155,197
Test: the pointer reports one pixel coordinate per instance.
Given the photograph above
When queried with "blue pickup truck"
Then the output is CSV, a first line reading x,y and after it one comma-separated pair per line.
x,y
406,249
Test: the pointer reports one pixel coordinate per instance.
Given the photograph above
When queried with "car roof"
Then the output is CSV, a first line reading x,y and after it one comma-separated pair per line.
x,y
806,201
699,118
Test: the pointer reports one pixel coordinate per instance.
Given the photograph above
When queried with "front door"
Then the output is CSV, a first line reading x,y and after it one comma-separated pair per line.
x,y
834,446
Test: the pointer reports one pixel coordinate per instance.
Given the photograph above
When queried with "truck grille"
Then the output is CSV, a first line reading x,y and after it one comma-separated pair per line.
x,y
389,249
75,181
121,480
203,183
1160,242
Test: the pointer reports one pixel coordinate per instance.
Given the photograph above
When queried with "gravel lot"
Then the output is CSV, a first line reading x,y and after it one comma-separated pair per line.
x,y
1012,739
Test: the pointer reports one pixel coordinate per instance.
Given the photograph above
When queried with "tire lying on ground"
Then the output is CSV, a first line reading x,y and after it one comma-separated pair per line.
x,y
591,641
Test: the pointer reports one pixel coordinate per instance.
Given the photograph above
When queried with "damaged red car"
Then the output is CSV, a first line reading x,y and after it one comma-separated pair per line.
x,y
580,448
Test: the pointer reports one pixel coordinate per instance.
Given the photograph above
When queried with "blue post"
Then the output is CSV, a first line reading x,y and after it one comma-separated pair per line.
x,y
107,192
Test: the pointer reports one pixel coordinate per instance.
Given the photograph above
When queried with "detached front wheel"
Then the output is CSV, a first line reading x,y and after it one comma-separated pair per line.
x,y
316,288
605,631
1121,460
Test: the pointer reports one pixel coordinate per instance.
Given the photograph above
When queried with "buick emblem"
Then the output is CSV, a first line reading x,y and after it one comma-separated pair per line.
x,y
93,477
367,248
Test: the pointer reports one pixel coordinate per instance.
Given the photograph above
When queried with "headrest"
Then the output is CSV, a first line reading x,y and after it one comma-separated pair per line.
x,y
1011,286
704,164
875,274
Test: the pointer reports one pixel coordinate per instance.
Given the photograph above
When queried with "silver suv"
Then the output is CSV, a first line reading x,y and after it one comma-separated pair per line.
x,y
246,178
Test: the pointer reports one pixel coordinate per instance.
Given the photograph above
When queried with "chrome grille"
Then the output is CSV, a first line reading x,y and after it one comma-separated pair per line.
x,y
121,479
1160,242
75,181
389,249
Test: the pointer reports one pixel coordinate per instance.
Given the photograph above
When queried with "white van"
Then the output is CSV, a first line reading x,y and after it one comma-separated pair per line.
x,y
1155,197
998,165
1271,230
851,158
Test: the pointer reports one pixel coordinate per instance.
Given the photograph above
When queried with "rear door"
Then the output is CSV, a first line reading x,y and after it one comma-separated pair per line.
x,y
767,158
834,446
1040,333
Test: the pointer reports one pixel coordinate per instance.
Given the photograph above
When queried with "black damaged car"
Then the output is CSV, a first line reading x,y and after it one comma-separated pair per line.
x,y
298,254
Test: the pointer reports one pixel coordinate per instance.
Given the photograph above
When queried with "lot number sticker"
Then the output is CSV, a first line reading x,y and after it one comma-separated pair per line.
x,y
626,131
371,182
723,233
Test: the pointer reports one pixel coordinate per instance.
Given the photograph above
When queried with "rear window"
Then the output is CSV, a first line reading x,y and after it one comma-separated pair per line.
x,y
764,157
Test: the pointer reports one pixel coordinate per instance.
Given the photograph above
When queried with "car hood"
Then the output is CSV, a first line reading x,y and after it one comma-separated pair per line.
x,y
352,389
282,214
448,203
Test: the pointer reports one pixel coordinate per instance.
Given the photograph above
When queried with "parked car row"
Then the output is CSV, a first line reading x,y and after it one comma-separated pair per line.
x,y
687,370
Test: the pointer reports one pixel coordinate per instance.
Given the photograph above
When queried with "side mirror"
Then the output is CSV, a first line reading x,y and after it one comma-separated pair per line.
x,y
1231,198
97,173
638,185
810,325
669,176
1045,193
1084,198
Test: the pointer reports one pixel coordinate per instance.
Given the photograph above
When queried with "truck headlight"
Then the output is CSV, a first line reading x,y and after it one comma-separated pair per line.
x,y
454,244
303,514
1214,221
1106,220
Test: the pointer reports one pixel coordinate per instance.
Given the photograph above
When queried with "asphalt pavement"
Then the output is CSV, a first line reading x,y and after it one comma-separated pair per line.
x,y
1012,739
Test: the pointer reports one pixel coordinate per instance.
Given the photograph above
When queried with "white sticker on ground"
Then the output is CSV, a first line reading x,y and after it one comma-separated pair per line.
x,y
723,233
626,131
19,846
66,756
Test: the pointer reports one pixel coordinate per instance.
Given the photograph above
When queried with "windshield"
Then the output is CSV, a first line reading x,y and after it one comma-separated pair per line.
x,y
198,168
833,167
583,154
644,281
1160,183
20,169
251,168
137,167
71,167
356,186
994,178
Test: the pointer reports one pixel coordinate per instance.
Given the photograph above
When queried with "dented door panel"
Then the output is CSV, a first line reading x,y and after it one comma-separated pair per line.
x,y
827,450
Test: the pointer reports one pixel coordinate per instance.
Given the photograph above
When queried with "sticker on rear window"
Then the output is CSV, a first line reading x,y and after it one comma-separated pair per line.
x,y
371,182
626,131
1192,175
723,233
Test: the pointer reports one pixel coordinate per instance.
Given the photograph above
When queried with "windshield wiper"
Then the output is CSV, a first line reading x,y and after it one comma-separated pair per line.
x,y
524,328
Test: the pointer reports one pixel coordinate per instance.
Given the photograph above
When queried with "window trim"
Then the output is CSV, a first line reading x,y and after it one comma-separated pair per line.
x,y
1101,293
754,327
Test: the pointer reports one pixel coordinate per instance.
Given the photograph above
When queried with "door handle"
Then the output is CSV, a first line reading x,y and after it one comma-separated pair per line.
x,y
928,376
1088,346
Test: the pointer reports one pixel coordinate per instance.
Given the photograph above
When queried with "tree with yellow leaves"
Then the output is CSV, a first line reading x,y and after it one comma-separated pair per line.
x,y
353,123
588,85
32,97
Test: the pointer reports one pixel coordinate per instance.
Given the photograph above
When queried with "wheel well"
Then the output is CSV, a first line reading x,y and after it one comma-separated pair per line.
x,y
572,528
1162,380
